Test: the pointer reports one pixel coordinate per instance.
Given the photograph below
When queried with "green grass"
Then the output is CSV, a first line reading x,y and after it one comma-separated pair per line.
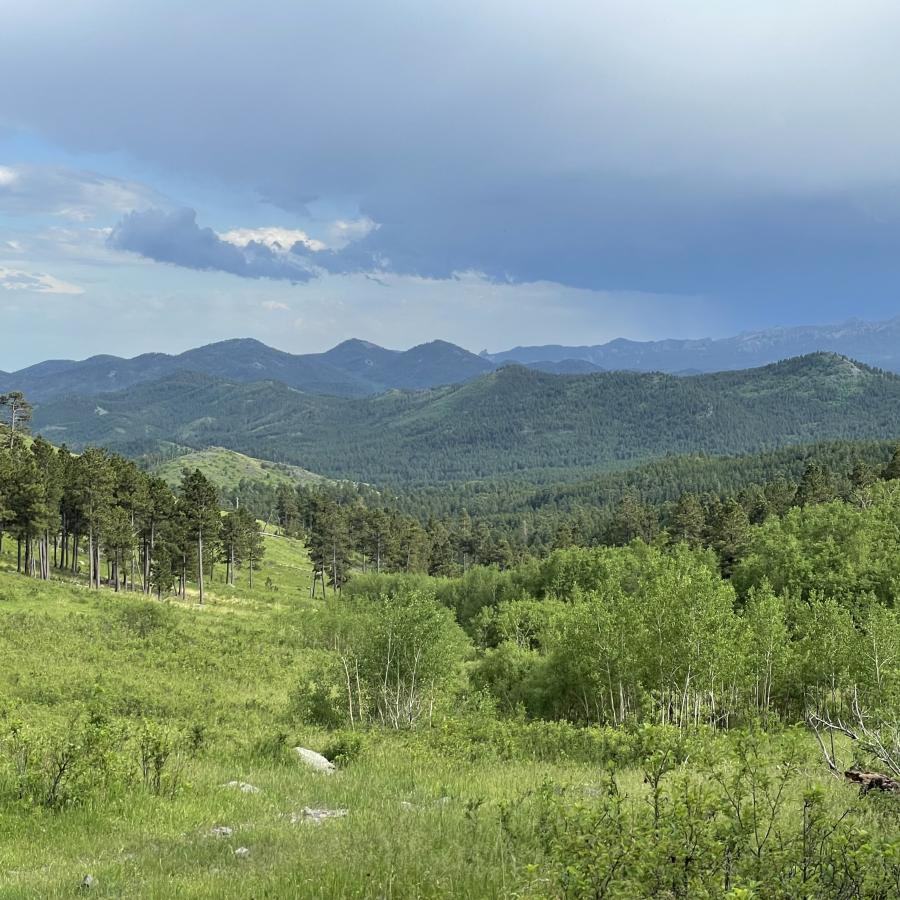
x,y
228,668
227,468
449,812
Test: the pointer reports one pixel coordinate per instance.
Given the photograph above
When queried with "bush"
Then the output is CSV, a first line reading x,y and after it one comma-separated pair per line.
x,y
65,765
479,737
160,751
320,696
344,747
145,618
407,656
745,825
271,745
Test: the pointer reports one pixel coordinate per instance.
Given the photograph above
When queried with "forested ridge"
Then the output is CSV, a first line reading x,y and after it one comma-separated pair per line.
x,y
513,423
351,369
85,513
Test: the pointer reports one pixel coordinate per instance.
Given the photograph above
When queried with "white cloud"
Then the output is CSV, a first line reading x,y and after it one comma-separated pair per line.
x,y
273,237
35,282
344,231
71,194
275,306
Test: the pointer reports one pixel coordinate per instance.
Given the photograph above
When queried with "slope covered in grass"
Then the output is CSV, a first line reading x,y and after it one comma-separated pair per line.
x,y
74,662
226,469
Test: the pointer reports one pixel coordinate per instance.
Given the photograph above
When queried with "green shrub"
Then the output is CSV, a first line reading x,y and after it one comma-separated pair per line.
x,y
344,747
271,745
145,618
65,764
320,694
161,756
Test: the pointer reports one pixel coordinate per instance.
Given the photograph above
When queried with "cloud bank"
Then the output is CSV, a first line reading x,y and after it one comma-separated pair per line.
x,y
175,237
721,148
746,154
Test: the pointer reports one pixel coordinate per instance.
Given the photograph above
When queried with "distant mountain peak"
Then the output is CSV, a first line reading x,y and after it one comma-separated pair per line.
x,y
356,343
230,343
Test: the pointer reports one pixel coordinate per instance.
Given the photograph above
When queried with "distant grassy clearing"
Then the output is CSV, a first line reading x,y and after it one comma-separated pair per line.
x,y
226,469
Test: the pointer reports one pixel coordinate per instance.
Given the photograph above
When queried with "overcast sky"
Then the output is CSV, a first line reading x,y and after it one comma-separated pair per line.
x,y
491,173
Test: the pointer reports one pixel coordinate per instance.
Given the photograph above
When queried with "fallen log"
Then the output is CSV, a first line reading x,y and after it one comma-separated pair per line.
x,y
871,781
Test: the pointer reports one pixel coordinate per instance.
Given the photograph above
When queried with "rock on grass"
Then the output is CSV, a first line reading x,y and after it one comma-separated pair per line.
x,y
315,760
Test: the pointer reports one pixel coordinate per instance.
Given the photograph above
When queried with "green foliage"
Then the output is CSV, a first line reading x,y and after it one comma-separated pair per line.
x,y
407,657
515,422
62,765
839,550
742,826
160,756
320,696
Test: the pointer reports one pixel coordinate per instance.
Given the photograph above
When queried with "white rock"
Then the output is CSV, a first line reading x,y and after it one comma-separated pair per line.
x,y
242,852
315,760
317,816
243,787
88,882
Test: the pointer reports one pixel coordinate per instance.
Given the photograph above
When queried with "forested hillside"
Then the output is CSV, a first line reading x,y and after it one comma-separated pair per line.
x,y
411,707
351,369
514,422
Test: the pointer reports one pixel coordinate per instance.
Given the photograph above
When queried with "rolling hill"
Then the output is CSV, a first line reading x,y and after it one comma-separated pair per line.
x,y
226,469
514,422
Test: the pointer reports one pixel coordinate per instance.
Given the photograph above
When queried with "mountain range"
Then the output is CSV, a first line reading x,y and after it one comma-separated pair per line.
x,y
357,368
351,369
874,343
510,423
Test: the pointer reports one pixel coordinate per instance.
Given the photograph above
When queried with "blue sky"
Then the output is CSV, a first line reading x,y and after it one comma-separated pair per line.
x,y
491,173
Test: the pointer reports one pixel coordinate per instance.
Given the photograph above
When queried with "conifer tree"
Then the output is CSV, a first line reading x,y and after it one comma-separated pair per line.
x,y
18,413
687,523
93,489
199,503
815,486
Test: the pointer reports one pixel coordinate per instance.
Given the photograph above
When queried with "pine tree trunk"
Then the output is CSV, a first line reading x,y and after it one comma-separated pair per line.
x,y
200,563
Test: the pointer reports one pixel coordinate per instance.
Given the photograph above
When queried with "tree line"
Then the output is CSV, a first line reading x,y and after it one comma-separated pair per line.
x,y
97,514
804,627
355,529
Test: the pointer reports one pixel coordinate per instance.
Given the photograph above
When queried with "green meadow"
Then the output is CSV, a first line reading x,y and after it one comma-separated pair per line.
x,y
163,711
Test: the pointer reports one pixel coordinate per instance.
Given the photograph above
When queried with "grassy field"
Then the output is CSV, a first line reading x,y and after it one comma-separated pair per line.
x,y
224,674
468,808
227,468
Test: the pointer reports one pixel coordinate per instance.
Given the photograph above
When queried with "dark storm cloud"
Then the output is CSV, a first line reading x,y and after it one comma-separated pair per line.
x,y
732,150
175,237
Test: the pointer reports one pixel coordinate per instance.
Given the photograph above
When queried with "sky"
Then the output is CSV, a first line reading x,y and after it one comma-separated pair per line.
x,y
489,173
